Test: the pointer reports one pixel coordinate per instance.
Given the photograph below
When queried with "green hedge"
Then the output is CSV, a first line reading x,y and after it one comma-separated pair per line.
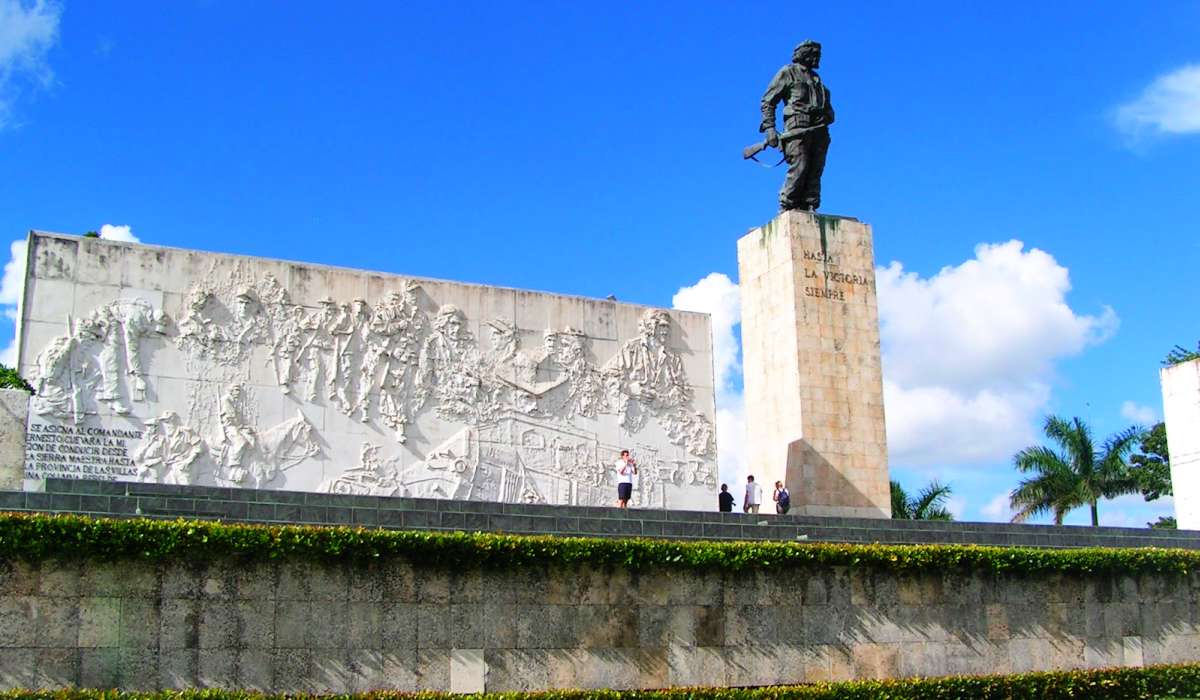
x,y
1109,684
36,537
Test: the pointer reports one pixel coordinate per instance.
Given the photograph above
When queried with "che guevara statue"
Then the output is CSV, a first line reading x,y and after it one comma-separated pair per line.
x,y
807,114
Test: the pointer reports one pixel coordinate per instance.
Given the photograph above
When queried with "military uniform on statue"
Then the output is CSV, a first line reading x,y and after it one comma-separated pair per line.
x,y
807,114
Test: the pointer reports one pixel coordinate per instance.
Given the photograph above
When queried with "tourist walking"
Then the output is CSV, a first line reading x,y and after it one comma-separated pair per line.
x,y
626,468
783,499
753,496
725,500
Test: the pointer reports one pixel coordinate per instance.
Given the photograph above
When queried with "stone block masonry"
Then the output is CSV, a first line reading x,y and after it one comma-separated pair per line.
x,y
813,380
293,626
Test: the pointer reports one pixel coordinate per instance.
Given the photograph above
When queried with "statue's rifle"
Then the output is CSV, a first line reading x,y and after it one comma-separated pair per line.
x,y
749,152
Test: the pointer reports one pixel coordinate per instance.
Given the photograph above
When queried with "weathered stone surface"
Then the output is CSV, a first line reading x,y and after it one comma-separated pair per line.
x,y
185,368
14,414
471,633
811,356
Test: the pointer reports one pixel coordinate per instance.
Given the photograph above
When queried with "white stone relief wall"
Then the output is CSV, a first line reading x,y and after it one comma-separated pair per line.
x,y
1181,412
182,367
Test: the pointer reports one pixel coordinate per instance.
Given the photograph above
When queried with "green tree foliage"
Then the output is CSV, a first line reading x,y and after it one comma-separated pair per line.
x,y
1164,522
929,504
1076,475
9,379
1151,466
1180,354
91,234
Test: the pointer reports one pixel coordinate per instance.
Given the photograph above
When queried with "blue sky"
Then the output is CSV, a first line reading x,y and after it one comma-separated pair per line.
x,y
594,148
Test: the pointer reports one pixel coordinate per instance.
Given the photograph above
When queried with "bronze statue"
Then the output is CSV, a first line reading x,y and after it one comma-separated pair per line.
x,y
807,114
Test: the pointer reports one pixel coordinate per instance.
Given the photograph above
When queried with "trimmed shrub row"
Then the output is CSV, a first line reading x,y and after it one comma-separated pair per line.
x,y
35,537
1108,684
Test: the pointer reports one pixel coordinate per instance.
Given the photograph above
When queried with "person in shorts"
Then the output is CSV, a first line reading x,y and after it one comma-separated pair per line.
x,y
626,468
783,499
753,496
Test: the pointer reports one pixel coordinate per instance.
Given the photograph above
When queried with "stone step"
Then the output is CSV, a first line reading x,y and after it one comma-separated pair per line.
x,y
121,499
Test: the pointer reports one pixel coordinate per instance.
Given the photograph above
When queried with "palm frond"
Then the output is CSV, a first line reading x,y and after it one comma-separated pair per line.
x,y
930,499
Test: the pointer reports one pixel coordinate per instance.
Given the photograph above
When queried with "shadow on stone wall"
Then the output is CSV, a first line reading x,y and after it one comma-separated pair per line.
x,y
818,487
293,626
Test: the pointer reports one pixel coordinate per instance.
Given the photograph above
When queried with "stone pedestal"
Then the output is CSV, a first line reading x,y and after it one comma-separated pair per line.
x,y
813,384
1181,411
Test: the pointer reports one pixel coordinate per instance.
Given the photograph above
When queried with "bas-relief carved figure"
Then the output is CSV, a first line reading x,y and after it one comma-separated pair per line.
x,y
247,457
390,363
807,114
101,355
169,451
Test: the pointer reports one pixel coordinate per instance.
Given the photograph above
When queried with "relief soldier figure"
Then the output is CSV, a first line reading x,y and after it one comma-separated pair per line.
x,y
169,451
807,114
318,355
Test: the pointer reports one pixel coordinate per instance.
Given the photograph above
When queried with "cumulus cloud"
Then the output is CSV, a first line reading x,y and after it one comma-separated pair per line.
x,y
14,274
1137,413
27,33
1169,105
1132,510
11,286
998,509
118,233
969,353
717,295
13,282
957,506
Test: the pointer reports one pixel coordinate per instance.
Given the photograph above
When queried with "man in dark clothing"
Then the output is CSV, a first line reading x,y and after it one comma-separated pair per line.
x,y
725,499
806,106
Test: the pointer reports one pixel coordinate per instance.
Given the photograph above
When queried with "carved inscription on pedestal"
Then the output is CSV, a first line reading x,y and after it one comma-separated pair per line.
x,y
824,278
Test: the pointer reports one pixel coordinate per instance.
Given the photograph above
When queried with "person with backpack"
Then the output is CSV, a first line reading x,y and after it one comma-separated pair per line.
x,y
783,500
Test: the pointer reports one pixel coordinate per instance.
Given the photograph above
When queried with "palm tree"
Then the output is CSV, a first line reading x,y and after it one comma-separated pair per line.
x,y
1078,475
928,505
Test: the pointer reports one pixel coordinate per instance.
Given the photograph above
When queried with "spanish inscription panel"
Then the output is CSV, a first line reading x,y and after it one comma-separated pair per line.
x,y
824,277
180,367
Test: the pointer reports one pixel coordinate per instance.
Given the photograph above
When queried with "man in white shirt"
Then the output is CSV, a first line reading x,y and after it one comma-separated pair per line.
x,y
753,496
626,468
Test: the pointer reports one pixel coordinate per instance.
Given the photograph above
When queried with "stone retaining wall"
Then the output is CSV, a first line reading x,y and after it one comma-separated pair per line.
x,y
290,626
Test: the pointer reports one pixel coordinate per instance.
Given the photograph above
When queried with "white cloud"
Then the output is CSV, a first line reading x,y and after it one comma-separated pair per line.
x,y
1142,415
969,353
14,274
1169,105
1128,511
957,506
998,509
118,233
717,295
10,295
27,33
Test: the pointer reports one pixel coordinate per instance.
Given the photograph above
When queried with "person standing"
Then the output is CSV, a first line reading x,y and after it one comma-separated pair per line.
x,y
626,468
725,500
753,496
783,499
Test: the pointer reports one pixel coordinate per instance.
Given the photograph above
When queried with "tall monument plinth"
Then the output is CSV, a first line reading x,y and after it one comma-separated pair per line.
x,y
813,383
